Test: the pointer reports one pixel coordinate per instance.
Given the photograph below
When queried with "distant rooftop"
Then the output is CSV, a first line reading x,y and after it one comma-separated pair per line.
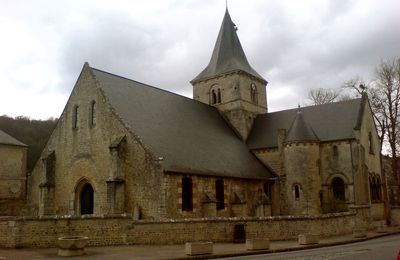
x,y
8,139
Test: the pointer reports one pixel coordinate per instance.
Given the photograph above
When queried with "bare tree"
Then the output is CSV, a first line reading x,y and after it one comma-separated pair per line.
x,y
384,97
387,86
357,88
322,95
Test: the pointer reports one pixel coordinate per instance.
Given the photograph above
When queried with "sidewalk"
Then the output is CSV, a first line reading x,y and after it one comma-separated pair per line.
x,y
178,251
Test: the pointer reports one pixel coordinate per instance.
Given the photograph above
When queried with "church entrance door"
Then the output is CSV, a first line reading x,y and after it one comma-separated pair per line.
x,y
86,199
338,189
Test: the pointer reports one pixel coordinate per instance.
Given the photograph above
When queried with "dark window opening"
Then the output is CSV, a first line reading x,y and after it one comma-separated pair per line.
x,y
335,151
338,189
187,194
213,97
371,143
92,113
296,192
375,188
239,233
268,190
253,93
75,117
219,193
87,199
219,96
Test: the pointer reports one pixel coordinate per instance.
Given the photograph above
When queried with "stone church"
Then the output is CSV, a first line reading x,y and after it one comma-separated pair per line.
x,y
122,146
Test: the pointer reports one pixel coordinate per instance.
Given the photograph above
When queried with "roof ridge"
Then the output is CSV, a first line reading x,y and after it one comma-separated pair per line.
x,y
314,106
153,87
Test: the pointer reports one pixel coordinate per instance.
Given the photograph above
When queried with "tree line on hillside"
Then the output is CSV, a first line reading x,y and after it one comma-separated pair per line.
x,y
383,91
31,132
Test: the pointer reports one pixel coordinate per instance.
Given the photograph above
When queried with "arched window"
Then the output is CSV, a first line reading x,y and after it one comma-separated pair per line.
x,y
268,189
75,116
296,188
375,188
378,188
371,143
253,93
86,198
372,187
338,189
213,97
92,113
219,193
219,96
187,194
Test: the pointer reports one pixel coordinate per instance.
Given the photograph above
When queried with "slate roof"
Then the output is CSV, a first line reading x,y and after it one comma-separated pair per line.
x,y
228,54
8,139
192,137
334,121
300,130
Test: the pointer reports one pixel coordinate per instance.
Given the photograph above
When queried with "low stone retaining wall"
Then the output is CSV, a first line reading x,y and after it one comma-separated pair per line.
x,y
120,230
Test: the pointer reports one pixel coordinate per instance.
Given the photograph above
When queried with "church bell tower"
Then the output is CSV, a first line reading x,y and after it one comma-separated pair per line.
x,y
229,82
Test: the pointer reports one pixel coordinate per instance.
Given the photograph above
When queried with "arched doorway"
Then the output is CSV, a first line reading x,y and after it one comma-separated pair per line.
x,y
86,199
338,189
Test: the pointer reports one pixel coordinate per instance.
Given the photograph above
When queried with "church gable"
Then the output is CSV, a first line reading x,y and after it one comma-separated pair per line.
x,y
88,154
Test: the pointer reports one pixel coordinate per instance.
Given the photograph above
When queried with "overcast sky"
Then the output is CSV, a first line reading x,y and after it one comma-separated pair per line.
x,y
295,45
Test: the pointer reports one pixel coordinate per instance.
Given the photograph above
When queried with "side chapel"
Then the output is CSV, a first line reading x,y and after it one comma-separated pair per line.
x,y
121,146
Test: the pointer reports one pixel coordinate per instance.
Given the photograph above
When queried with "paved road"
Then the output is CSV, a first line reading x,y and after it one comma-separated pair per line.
x,y
375,249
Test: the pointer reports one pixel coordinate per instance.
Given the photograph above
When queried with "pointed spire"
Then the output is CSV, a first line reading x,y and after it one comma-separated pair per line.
x,y
228,54
300,130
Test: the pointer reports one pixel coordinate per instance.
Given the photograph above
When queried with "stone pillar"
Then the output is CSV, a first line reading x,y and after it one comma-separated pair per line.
x,y
209,205
116,180
238,204
46,202
116,196
46,189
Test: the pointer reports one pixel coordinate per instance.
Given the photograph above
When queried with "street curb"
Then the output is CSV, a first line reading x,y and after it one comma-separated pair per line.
x,y
289,249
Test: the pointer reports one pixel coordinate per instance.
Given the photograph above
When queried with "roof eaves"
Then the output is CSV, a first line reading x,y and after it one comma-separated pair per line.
x,y
198,79
200,173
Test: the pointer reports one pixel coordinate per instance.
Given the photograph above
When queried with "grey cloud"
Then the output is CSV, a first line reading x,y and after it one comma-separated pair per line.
x,y
170,46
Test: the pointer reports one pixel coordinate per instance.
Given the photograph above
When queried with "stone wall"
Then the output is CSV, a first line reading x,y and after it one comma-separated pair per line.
x,y
378,211
12,179
395,215
121,230
302,172
241,197
236,104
